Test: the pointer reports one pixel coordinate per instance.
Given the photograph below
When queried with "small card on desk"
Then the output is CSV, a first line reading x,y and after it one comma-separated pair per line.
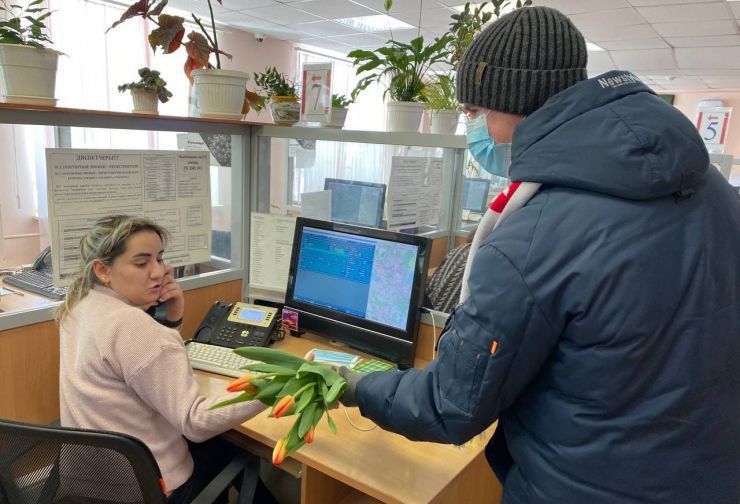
x,y
372,365
334,358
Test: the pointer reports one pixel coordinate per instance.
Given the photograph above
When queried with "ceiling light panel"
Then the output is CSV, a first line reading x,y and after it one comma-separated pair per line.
x,y
429,17
375,23
282,14
324,28
333,9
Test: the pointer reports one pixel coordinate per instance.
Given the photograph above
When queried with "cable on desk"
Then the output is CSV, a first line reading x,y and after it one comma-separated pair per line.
x,y
434,331
361,429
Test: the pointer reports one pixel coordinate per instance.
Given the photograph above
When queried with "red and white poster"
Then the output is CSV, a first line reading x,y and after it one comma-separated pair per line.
x,y
316,92
713,123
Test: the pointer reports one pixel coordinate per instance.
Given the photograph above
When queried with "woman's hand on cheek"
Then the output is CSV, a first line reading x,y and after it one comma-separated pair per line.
x,y
172,296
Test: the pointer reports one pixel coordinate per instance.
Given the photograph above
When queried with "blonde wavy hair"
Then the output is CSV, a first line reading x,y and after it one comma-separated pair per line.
x,y
105,241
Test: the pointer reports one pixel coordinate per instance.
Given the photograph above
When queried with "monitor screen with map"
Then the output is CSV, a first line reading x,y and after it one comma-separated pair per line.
x,y
358,285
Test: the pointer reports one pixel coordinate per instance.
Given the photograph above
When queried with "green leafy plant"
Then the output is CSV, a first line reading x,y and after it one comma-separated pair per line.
x,y
402,67
470,21
149,81
24,26
340,101
291,386
274,83
440,94
170,32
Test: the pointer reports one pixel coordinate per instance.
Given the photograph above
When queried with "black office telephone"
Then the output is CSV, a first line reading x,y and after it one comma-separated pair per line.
x,y
237,324
39,279
42,262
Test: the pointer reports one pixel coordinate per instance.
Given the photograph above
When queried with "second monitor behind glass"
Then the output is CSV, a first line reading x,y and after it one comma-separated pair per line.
x,y
475,194
354,202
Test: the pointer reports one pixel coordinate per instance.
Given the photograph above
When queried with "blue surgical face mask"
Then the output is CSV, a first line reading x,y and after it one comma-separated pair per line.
x,y
493,157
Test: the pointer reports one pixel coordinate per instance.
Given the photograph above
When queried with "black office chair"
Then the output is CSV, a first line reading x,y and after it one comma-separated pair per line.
x,y
43,465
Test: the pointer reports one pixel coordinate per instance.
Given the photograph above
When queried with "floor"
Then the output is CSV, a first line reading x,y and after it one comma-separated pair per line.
x,y
283,486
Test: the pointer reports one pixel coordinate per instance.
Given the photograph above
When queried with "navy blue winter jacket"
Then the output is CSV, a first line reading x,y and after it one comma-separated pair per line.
x,y
614,296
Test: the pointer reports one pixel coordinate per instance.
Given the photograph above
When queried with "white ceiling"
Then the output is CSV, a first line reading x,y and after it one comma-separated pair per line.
x,y
673,45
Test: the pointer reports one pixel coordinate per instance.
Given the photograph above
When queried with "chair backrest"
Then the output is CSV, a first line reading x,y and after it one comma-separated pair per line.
x,y
41,464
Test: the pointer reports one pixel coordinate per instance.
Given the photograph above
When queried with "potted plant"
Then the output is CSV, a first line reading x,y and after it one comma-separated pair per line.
x,y
217,92
147,92
281,93
28,70
403,68
442,105
339,108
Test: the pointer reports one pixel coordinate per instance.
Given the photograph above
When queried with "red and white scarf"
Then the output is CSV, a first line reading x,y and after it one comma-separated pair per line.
x,y
511,199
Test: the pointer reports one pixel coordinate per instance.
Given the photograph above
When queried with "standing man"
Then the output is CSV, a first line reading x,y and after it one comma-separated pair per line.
x,y
602,329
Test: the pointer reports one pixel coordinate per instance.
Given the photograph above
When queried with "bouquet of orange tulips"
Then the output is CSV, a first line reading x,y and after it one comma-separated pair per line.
x,y
292,386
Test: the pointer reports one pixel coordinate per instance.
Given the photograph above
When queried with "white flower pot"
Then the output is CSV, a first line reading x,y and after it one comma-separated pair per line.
x,y
145,102
443,122
285,110
28,74
404,116
338,116
219,93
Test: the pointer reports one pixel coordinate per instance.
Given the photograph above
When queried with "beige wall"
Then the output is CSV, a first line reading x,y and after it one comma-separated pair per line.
x,y
19,230
251,56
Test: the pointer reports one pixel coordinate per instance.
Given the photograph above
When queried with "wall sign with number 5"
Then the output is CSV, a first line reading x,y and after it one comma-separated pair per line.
x,y
713,123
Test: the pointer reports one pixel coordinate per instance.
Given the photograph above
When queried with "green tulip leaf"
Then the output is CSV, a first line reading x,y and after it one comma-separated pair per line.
x,y
293,385
335,391
306,420
240,398
305,399
261,367
326,373
332,426
271,356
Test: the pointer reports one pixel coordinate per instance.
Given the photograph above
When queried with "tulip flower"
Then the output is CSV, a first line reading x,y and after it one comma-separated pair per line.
x,y
309,435
243,384
283,406
278,454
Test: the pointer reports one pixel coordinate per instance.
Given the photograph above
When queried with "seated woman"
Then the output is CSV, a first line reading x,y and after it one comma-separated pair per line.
x,y
123,371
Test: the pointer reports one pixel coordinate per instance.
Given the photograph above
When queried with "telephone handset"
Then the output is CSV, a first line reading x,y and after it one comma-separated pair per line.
x,y
42,262
237,324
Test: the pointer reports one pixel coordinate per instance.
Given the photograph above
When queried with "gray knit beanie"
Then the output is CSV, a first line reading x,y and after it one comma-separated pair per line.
x,y
521,60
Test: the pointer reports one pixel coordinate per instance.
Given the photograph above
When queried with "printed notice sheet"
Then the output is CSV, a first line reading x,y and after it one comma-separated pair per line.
x,y
270,246
170,187
415,192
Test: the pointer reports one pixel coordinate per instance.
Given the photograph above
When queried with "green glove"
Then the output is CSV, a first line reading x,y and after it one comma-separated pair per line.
x,y
352,377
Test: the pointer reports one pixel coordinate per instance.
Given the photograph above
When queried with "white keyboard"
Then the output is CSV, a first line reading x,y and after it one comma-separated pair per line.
x,y
217,359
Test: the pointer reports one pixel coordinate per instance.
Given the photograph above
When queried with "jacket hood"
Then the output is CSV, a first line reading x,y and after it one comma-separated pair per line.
x,y
610,134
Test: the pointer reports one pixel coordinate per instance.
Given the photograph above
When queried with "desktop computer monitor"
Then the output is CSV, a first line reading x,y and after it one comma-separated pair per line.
x,y
358,285
354,202
475,194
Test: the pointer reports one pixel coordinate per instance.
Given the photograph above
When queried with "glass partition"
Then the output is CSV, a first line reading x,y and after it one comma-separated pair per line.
x,y
25,134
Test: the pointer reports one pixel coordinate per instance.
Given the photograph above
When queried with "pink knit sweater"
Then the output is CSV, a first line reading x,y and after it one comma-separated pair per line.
x,y
122,371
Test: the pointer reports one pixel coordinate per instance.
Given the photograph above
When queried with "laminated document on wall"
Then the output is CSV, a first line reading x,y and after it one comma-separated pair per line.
x,y
270,246
170,187
414,192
